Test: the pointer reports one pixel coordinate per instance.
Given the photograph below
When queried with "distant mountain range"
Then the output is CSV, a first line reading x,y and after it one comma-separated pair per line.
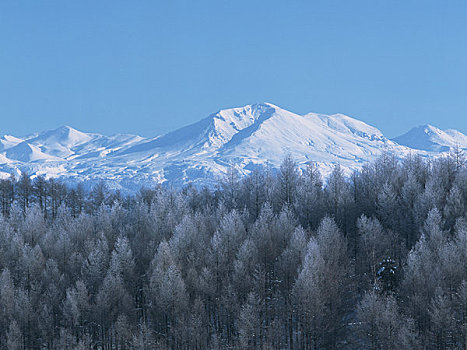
x,y
431,139
249,137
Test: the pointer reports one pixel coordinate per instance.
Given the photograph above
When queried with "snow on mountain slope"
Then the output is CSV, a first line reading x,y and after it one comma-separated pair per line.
x,y
207,134
7,141
102,146
311,137
25,152
60,142
67,143
432,139
459,138
247,137
255,136
4,159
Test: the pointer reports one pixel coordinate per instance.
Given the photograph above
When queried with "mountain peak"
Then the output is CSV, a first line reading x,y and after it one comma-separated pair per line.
x,y
246,111
65,128
266,105
26,152
427,128
64,134
59,142
251,136
432,139
8,141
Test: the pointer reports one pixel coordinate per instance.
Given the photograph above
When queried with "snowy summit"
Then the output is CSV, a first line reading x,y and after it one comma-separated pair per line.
x,y
249,137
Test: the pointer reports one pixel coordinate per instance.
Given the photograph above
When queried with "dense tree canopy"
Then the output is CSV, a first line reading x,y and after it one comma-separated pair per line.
x,y
285,260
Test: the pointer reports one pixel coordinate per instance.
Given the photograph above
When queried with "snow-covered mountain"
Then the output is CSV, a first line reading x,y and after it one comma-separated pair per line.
x,y
431,139
247,137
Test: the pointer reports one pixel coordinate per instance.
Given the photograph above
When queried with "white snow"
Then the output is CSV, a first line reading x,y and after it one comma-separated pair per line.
x,y
432,139
8,141
248,137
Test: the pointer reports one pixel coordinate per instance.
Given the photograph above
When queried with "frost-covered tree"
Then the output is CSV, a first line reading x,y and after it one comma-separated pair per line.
x,y
322,287
290,263
249,323
339,197
287,181
309,197
374,245
168,295
381,325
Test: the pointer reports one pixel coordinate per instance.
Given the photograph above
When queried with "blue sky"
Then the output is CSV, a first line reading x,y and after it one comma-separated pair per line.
x,y
147,67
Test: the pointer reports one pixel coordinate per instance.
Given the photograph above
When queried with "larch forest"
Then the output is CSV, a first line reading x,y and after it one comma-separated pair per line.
x,y
281,259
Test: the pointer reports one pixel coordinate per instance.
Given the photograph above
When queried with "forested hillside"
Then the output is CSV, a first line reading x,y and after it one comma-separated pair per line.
x,y
284,260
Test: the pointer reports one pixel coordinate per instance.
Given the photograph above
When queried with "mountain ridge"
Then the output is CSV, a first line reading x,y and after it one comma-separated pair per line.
x,y
247,137
432,139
